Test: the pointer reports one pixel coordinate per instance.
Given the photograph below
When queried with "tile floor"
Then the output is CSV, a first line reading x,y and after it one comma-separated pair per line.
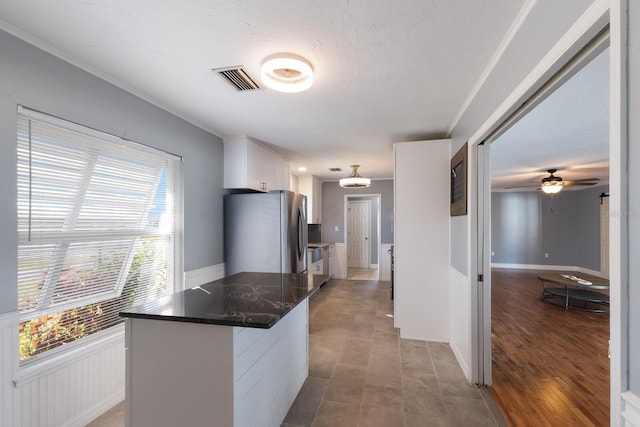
x,y
361,373
362,273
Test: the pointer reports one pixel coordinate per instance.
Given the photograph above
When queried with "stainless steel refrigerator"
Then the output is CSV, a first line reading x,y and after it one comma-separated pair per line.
x,y
265,232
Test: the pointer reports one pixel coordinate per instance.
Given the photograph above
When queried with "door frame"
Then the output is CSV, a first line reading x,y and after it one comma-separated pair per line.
x,y
378,224
600,14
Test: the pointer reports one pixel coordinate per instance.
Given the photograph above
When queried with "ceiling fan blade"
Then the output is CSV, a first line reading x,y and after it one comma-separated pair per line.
x,y
522,186
574,183
583,180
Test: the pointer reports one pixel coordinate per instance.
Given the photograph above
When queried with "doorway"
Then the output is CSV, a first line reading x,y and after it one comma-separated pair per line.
x,y
527,248
362,236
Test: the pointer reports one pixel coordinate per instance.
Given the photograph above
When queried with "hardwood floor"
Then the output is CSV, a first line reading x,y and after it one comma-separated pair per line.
x,y
550,365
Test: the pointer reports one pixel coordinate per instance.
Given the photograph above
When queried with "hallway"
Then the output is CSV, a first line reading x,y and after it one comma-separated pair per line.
x,y
361,373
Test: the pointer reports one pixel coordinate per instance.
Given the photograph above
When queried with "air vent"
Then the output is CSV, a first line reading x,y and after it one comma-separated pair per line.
x,y
237,77
335,169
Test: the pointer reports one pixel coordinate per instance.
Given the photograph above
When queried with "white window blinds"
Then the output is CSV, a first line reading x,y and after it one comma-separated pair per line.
x,y
99,226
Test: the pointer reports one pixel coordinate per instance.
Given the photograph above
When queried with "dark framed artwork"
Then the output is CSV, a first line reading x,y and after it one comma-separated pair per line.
x,y
459,182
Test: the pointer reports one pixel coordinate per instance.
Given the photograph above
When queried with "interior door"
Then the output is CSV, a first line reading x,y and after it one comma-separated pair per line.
x,y
481,299
358,229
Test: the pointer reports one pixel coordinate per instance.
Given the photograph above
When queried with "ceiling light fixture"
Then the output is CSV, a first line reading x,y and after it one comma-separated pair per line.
x,y
552,187
552,184
355,180
286,72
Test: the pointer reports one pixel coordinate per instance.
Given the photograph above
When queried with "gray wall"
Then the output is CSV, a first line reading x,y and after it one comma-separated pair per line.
x,y
634,197
333,210
526,225
528,47
35,79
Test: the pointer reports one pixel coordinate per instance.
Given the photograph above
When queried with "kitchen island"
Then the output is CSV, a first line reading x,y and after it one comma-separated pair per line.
x,y
233,352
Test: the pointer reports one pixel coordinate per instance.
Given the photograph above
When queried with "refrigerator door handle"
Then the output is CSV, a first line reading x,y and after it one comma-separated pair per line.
x,y
300,234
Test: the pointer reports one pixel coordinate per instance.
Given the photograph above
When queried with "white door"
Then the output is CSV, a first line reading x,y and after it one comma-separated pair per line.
x,y
358,229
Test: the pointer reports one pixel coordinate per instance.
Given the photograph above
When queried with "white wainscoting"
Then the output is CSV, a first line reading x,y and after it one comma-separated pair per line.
x,y
203,275
630,410
459,330
340,262
71,389
9,404
384,267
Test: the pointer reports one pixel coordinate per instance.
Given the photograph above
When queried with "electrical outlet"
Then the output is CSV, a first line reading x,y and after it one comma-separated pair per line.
x,y
493,253
336,228
546,255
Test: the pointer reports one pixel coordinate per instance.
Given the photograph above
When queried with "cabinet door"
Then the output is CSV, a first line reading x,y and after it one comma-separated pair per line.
x,y
258,165
317,201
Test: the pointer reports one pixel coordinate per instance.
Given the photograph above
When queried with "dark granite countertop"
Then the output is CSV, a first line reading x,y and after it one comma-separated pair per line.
x,y
255,300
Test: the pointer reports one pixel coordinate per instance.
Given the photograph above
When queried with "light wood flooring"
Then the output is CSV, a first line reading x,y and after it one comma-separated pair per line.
x,y
550,365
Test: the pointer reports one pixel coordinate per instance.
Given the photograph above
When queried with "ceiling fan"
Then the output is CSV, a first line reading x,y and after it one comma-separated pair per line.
x,y
553,184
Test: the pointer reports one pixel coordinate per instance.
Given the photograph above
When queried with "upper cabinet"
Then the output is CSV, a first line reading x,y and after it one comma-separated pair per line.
x,y
250,165
311,187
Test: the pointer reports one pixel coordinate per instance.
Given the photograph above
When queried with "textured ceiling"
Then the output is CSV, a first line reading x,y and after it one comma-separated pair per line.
x,y
385,71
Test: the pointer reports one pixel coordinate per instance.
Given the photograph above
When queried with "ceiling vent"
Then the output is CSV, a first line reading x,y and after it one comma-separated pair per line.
x,y
335,169
237,77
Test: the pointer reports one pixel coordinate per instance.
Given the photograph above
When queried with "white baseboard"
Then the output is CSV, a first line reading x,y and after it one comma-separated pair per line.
x,y
630,416
97,410
547,267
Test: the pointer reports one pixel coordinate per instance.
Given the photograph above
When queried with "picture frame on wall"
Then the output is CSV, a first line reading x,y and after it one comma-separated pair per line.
x,y
459,182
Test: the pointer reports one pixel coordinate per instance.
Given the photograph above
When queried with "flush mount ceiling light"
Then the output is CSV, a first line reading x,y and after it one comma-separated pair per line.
x,y
355,180
286,72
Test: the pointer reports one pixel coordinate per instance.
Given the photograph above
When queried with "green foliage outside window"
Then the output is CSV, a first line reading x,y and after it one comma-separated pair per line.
x,y
50,331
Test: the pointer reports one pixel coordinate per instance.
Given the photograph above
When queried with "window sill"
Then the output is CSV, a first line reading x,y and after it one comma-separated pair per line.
x,y
73,353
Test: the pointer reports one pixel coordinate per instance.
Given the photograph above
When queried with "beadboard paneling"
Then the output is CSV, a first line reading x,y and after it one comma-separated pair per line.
x,y
8,366
71,391
203,275
76,393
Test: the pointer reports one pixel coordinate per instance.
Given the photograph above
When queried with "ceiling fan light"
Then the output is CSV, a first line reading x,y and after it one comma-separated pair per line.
x,y
355,180
552,187
286,72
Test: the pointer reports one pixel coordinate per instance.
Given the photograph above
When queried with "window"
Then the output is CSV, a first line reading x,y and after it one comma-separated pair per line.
x,y
99,230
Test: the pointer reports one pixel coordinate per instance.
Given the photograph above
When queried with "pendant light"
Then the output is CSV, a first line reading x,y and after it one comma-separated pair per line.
x,y
355,180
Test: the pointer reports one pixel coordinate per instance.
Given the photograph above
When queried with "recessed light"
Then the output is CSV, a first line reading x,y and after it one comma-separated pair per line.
x,y
302,169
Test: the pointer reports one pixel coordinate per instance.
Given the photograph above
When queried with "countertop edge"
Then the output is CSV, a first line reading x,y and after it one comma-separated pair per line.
x,y
223,322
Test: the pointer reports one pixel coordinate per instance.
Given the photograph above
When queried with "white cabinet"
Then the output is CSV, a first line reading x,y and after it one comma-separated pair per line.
x,y
316,267
235,377
250,165
311,187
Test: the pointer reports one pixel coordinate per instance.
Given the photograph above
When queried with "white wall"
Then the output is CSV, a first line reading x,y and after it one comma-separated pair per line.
x,y
421,242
